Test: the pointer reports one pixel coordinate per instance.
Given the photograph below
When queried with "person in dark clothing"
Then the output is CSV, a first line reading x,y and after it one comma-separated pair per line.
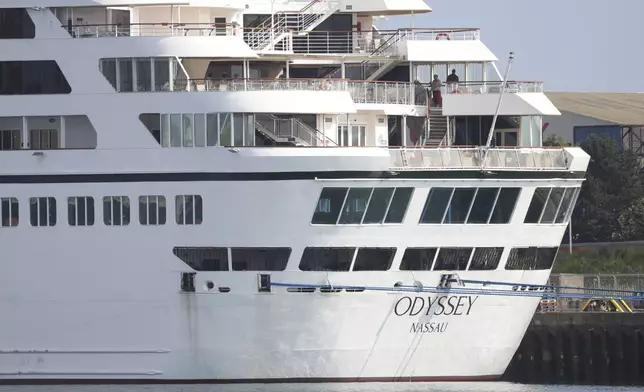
x,y
453,77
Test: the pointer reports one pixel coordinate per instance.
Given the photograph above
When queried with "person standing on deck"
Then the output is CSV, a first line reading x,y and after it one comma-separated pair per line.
x,y
452,82
436,91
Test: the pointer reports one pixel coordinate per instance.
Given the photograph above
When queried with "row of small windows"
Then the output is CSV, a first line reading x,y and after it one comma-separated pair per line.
x,y
343,259
201,129
552,205
362,206
143,73
470,205
116,211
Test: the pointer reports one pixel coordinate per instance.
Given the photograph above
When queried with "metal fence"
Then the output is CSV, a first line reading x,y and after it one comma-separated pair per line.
x,y
626,282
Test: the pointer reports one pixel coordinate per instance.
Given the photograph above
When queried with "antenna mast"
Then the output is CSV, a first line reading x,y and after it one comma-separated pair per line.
x,y
504,82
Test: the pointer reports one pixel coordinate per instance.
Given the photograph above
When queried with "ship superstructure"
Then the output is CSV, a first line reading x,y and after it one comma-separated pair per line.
x,y
261,191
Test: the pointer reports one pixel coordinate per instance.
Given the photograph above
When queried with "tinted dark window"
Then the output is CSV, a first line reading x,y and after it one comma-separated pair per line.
x,y
399,204
203,258
552,205
435,205
459,206
450,259
42,211
329,206
378,205
259,259
505,204
483,204
546,258
80,211
485,259
374,259
536,205
418,259
16,23
355,205
566,203
327,259
522,259
32,77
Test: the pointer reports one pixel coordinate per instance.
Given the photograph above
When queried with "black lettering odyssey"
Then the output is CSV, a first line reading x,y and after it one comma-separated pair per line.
x,y
443,305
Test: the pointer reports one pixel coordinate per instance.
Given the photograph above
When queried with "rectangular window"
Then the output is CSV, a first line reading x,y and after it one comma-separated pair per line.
x,y
42,211
459,205
532,258
505,204
418,259
203,258
452,259
398,205
189,209
355,205
32,78
116,210
152,210
566,204
483,204
327,259
554,200
329,206
9,212
10,139
80,211
485,259
374,259
378,205
260,259
43,139
436,204
537,204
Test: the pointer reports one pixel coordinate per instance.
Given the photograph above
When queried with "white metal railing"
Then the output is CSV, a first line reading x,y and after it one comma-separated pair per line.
x,y
263,85
456,34
492,87
153,29
275,28
385,93
472,158
340,42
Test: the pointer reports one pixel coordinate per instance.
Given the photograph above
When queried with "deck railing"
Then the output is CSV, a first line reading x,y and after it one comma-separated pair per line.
x,y
475,158
492,87
262,85
153,29
386,93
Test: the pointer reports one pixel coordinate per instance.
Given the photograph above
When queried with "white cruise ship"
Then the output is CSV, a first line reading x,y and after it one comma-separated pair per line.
x,y
265,191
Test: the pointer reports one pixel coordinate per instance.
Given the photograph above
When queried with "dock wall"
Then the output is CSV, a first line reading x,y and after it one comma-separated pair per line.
x,y
582,349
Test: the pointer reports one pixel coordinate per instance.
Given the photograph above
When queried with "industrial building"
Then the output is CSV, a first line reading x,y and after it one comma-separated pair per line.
x,y
618,115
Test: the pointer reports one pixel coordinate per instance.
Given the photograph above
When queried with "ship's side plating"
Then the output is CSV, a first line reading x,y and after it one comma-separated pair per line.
x,y
96,222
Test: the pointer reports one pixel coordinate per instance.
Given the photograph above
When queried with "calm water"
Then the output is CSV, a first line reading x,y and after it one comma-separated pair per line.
x,y
366,387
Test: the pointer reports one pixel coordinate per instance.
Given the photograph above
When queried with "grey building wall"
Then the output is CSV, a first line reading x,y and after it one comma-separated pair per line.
x,y
563,125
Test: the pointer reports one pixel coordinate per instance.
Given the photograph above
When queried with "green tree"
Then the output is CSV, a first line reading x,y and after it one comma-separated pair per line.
x,y
556,141
609,206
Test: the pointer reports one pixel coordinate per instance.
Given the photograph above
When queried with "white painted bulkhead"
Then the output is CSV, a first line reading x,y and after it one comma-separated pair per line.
x,y
143,328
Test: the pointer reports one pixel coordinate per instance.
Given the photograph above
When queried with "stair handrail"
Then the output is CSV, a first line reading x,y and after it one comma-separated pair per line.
x,y
326,141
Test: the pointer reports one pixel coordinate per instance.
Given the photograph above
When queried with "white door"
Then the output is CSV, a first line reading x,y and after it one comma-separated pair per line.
x,y
352,135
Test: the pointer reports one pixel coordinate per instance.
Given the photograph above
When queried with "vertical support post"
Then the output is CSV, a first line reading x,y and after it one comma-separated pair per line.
x,y
403,134
288,69
343,70
570,234
61,143
24,134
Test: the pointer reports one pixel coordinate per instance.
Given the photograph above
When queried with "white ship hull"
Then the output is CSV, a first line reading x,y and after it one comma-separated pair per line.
x,y
104,303
279,337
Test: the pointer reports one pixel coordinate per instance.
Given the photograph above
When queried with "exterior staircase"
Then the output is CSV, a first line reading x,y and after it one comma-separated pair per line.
x,y
290,130
437,126
281,25
376,68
